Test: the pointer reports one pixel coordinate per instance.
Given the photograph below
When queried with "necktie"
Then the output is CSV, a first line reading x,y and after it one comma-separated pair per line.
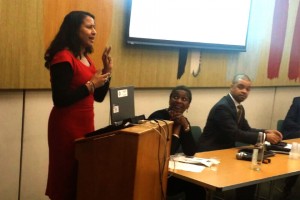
x,y
240,110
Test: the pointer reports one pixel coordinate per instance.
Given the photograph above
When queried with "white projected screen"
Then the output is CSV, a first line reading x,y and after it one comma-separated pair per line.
x,y
195,23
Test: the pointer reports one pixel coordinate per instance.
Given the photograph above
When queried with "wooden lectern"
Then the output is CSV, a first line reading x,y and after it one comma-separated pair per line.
x,y
130,164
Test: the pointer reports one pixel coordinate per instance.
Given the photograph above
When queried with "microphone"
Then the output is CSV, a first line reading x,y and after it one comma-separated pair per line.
x,y
243,156
248,156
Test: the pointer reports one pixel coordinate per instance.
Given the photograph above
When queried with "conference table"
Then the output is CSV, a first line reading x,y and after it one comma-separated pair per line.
x,y
232,173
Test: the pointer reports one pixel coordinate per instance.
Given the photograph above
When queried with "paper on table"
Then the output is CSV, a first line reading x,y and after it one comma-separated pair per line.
x,y
288,146
185,166
195,160
281,147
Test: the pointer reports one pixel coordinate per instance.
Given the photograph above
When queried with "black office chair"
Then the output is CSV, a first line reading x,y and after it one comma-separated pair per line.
x,y
196,131
279,125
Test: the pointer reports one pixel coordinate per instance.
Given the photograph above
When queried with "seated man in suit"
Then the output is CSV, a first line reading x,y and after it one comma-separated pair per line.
x,y
225,126
291,123
290,130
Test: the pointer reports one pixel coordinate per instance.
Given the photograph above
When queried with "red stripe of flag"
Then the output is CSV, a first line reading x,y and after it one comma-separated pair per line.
x,y
277,38
294,65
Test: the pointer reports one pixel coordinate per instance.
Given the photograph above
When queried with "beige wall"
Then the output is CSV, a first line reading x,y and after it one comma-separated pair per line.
x,y
34,150
10,143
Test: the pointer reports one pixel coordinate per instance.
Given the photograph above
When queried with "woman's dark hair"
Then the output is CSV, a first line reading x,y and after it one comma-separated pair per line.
x,y
68,37
182,87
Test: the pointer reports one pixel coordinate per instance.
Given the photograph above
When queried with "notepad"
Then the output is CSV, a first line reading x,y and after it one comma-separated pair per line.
x,y
185,166
195,160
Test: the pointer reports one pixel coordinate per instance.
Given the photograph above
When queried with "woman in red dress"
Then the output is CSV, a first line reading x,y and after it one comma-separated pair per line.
x,y
75,84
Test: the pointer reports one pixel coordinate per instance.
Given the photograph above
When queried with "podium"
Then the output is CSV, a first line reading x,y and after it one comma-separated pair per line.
x,y
129,164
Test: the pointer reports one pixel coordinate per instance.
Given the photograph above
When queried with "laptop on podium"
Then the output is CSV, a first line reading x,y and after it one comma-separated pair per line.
x,y
122,110
121,104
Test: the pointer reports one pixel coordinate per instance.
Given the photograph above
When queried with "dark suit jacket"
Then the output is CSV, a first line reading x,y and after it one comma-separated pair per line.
x,y
222,129
291,123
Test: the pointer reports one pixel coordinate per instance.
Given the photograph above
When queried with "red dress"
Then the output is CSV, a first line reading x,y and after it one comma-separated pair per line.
x,y
65,125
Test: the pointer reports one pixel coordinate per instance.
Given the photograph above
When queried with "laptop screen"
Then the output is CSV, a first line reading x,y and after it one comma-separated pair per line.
x,y
121,104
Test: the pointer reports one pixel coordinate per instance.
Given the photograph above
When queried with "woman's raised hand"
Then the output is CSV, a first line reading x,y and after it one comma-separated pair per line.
x,y
107,60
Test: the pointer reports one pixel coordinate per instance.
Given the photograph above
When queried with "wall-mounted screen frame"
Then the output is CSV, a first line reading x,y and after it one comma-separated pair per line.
x,y
203,24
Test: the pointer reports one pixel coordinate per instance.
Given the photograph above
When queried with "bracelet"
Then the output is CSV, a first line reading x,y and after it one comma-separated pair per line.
x,y
187,129
106,80
91,84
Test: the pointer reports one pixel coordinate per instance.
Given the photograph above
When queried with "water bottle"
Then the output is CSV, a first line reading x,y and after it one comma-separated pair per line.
x,y
294,153
258,152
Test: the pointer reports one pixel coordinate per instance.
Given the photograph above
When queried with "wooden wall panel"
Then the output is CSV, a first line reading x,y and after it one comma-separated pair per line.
x,y
27,27
21,44
157,67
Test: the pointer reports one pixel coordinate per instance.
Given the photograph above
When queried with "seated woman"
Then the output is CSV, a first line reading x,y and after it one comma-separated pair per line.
x,y
179,102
